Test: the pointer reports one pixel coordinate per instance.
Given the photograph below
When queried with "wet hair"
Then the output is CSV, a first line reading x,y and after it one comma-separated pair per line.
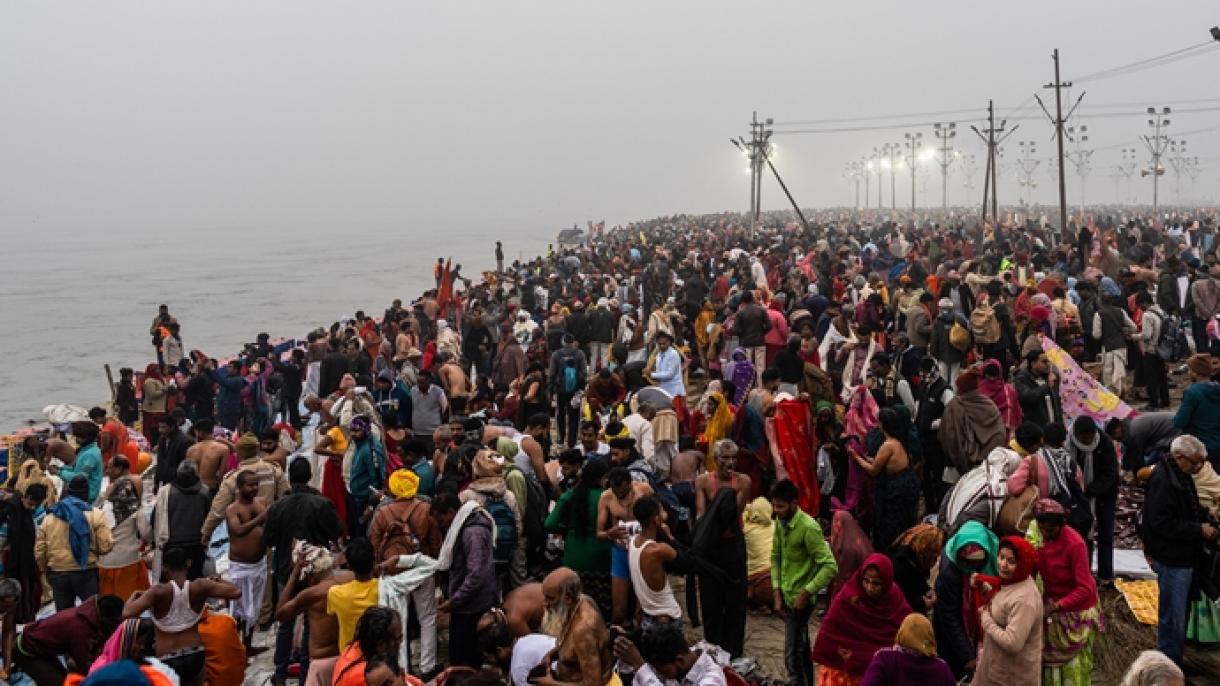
x,y
360,557
662,644
205,425
175,557
785,491
372,631
495,635
646,509
299,471
891,423
1028,434
384,659
617,476
110,607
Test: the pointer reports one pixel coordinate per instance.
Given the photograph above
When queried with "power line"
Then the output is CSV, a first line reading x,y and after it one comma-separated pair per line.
x,y
1148,63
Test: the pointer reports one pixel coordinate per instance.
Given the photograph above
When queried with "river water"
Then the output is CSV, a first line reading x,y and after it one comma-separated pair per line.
x,y
70,304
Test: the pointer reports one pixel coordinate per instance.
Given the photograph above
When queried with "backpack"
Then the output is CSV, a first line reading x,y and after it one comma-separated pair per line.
x,y
399,539
536,501
570,382
1171,344
959,337
984,325
505,521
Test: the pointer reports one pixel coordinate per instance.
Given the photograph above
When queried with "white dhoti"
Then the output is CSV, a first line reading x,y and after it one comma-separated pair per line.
x,y
1114,370
251,579
415,585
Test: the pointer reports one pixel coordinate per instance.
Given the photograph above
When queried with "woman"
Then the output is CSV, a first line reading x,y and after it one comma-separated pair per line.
x,y
741,372
122,571
156,392
863,618
759,529
1002,394
533,395
912,660
895,486
379,630
1069,595
914,555
860,418
575,518
719,415
956,621
1011,617
851,547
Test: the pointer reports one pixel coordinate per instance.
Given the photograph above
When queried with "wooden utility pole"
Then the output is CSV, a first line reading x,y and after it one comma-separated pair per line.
x,y
1058,120
990,137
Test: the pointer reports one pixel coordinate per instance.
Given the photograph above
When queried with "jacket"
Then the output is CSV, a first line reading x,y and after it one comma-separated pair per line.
x,y
1206,296
1146,435
601,325
1171,531
1168,294
751,325
939,347
801,559
402,516
155,395
1012,638
473,588
578,325
953,643
1199,413
171,450
562,358
271,486
1111,325
53,552
187,508
1034,395
302,515
88,463
73,633
228,395
919,327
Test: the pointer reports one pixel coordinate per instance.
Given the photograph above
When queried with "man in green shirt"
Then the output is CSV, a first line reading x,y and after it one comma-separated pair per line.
x,y
801,565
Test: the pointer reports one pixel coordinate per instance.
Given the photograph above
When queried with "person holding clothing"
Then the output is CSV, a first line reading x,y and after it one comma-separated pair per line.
x,y
1011,618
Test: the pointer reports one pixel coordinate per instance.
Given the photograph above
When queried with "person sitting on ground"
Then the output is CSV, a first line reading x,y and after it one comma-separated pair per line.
x,y
378,631
176,607
582,654
664,658
912,660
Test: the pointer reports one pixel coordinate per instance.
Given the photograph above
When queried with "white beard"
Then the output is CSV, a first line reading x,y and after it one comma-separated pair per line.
x,y
553,619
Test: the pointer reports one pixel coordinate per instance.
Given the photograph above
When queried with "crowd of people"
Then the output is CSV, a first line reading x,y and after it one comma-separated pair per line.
x,y
856,424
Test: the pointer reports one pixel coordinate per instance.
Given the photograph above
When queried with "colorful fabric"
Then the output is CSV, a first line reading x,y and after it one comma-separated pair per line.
x,y
1142,596
404,483
1068,638
123,581
857,626
862,412
718,426
916,634
827,676
794,448
1079,393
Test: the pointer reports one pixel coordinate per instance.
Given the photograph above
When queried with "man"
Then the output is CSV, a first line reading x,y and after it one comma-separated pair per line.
x,y
514,657
404,527
919,324
664,658
970,428
292,373
1093,452
590,446
1144,437
159,330
667,369
934,393
466,554
176,607
171,450
315,565
886,383
604,392
429,408
1037,388
1174,530
1199,413
615,523
18,511
247,554
647,557
76,632
228,395
567,376
303,515
413,452
639,427
72,536
582,654
524,608
1112,325
112,436
208,453
945,353
602,326
801,566
1205,293
182,507
86,461
1152,324
333,366
452,378
707,485
271,484
751,324
347,601
499,258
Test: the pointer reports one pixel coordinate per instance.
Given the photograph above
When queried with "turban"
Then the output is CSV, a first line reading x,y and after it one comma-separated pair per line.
x,y
1049,509
360,424
404,483
314,559
1039,313
247,447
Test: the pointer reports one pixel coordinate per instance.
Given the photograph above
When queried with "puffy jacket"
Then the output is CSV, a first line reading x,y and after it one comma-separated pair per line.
x,y
601,326
752,325
473,589
1171,531
228,396
53,552
1199,413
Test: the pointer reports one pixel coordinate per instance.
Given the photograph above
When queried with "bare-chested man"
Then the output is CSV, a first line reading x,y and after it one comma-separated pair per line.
x,y
176,608
453,378
523,608
271,450
709,484
582,653
317,565
616,523
247,554
210,454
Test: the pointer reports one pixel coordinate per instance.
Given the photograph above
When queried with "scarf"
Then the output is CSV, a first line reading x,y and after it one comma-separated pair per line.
x,y
916,635
1059,468
123,499
742,373
468,508
861,414
1082,453
857,626
970,428
1003,395
1027,564
718,426
72,510
925,541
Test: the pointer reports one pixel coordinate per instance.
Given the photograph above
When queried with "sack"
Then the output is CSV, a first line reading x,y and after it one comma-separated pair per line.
x,y
1203,624
1018,510
505,521
984,325
959,337
570,379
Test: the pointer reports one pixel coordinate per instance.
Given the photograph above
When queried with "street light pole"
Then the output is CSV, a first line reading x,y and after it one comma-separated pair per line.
x,y
944,133
1157,143
913,144
1080,157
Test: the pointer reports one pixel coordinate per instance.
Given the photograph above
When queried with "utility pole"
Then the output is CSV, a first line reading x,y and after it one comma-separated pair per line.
x,y
1192,170
1127,169
1179,162
1157,144
913,144
990,176
1028,165
1058,121
944,133
756,151
889,150
852,174
1080,157
867,166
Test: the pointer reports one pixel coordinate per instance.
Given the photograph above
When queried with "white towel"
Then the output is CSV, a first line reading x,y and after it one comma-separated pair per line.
x,y
251,579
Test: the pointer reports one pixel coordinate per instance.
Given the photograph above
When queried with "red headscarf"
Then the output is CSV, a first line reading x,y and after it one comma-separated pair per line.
x,y
1027,564
1003,395
153,371
857,626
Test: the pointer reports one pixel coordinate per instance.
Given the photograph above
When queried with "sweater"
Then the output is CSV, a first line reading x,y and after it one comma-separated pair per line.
x,y
1063,564
1199,413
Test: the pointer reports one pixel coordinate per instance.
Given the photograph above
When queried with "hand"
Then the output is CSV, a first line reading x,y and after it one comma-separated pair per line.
x,y
779,601
1209,532
3,672
627,653
617,533
444,606
389,567
802,600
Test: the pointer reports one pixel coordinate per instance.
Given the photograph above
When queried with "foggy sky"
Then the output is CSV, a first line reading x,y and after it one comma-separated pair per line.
x,y
180,117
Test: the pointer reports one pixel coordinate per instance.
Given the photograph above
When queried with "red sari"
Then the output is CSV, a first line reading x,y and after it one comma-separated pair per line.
x,y
794,445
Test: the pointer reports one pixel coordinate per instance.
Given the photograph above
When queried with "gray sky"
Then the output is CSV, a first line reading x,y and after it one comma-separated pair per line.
x,y
181,117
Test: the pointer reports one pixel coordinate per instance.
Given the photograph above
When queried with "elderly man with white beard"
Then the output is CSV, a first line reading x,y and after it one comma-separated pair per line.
x,y
582,652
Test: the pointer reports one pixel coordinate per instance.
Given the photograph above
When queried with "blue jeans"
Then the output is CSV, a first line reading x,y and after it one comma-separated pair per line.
x,y
283,643
1174,603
